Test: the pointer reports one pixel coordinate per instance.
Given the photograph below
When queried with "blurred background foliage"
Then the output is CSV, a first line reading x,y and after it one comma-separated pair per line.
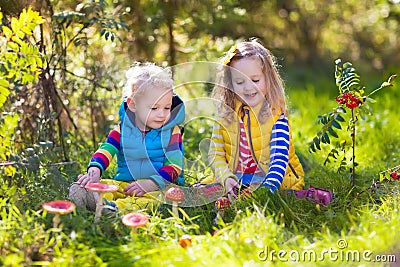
x,y
87,46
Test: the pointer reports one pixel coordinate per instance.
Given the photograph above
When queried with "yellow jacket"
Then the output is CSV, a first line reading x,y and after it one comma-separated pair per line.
x,y
224,148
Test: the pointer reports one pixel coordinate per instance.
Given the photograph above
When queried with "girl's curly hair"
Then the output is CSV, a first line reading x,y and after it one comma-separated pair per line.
x,y
275,103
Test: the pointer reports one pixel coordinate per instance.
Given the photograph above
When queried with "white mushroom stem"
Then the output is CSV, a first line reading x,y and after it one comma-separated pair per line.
x,y
219,217
99,207
133,231
175,208
56,220
220,213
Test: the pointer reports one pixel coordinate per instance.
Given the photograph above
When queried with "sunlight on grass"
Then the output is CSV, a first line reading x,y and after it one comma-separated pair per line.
x,y
358,226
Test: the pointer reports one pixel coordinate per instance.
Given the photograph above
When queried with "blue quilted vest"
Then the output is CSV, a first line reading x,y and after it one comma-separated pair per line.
x,y
142,158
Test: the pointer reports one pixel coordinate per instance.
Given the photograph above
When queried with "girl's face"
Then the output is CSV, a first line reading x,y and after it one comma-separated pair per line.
x,y
248,80
152,108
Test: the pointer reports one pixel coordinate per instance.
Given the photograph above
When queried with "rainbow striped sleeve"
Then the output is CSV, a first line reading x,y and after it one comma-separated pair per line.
x,y
103,156
173,163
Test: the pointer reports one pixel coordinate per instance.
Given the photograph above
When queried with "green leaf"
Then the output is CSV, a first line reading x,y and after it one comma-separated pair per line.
x,y
15,24
334,153
339,118
324,120
327,139
7,31
336,124
20,34
13,46
4,84
332,132
26,30
311,147
17,40
4,91
3,99
316,142
323,139
39,62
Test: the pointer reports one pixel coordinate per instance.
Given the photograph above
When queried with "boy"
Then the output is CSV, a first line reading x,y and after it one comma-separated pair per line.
x,y
147,142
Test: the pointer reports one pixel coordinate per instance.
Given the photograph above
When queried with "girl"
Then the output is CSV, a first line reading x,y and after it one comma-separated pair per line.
x,y
147,142
251,143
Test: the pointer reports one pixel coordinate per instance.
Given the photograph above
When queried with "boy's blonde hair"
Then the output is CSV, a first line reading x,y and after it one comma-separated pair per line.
x,y
275,103
145,76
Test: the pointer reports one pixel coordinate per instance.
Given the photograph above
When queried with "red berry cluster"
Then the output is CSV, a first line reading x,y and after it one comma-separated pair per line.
x,y
349,99
395,175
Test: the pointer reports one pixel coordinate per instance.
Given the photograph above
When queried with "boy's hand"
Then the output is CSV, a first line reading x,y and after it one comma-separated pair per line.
x,y
141,187
231,188
92,176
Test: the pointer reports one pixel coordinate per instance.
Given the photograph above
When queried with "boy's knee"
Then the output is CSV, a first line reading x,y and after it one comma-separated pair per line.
x,y
81,197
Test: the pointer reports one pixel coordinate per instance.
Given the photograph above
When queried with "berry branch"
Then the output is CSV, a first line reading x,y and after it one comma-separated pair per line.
x,y
351,97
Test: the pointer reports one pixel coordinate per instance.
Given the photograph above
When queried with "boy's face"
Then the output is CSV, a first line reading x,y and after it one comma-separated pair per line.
x,y
248,80
152,108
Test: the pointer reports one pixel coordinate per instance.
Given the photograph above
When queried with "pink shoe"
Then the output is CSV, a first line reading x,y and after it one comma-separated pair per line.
x,y
319,195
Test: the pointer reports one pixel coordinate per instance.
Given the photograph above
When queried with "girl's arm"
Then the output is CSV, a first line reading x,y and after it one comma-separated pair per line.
x,y
279,154
217,157
173,163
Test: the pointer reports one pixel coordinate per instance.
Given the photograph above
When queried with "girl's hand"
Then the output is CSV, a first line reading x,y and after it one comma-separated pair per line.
x,y
141,187
231,188
92,176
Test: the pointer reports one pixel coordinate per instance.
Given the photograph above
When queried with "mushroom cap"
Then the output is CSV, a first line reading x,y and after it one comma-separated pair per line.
x,y
222,203
185,241
135,219
99,187
175,194
59,207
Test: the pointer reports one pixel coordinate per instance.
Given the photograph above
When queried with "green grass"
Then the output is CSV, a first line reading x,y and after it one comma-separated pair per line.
x,y
366,218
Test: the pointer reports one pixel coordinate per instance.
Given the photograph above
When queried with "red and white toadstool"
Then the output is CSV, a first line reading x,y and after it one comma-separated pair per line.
x,y
58,207
135,220
222,204
100,189
177,196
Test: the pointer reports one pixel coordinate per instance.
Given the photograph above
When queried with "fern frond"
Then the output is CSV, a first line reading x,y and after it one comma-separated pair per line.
x,y
346,77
